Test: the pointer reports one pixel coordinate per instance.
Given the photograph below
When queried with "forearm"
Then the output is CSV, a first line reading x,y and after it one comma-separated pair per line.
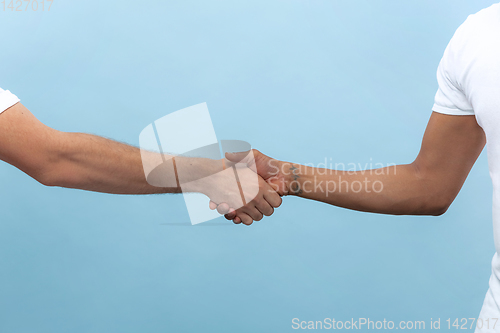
x,y
93,163
398,190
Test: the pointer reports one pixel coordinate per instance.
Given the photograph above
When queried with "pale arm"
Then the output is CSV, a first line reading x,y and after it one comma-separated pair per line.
x,y
93,163
75,160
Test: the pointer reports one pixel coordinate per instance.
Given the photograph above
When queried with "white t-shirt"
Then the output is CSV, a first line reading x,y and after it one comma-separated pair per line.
x,y
7,99
469,84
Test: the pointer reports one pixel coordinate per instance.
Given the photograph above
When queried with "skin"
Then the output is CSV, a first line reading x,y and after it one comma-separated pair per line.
x,y
427,186
89,162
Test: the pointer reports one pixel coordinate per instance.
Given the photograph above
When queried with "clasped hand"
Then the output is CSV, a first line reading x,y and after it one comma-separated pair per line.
x,y
259,180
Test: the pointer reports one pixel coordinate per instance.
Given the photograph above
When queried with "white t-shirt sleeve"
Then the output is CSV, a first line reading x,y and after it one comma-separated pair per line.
x,y
450,97
7,99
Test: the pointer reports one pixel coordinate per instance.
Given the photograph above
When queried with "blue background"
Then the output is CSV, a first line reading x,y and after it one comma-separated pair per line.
x,y
306,80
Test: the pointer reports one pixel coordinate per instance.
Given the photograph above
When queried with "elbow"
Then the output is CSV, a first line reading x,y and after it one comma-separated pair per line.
x,y
46,179
47,174
433,197
427,208
44,159
440,210
57,172
50,168
439,206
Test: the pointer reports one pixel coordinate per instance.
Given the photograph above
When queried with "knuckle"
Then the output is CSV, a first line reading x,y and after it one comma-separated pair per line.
x,y
257,201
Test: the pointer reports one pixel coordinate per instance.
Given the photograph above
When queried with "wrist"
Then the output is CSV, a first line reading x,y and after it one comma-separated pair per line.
x,y
198,174
291,174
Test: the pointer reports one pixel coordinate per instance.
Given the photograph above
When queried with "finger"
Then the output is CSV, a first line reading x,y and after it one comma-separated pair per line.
x,y
237,220
264,207
223,208
231,214
273,198
212,205
245,219
253,212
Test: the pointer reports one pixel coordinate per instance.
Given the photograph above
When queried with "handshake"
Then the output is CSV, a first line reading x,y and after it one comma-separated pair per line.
x,y
244,186
260,179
